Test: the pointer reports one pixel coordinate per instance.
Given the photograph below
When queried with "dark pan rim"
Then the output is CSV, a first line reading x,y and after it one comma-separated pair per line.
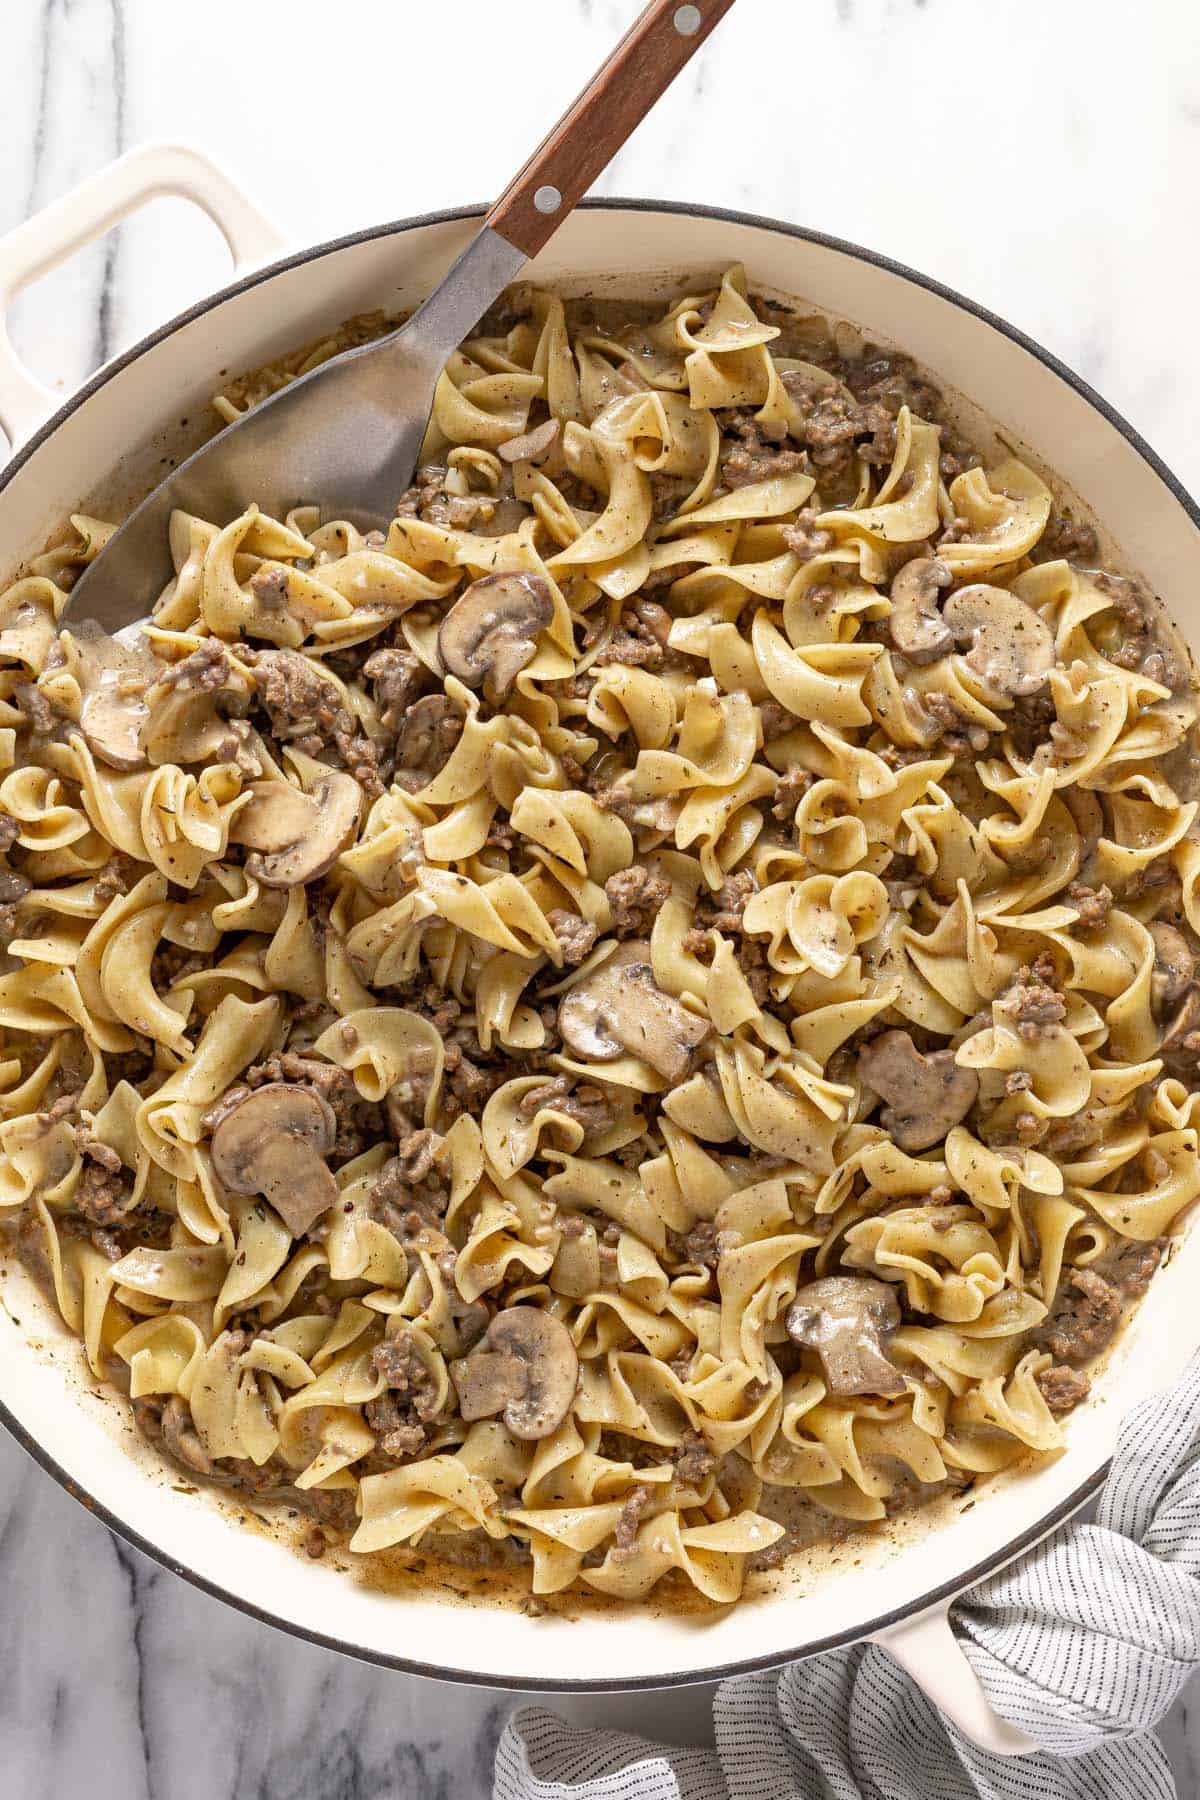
x,y
1047,1522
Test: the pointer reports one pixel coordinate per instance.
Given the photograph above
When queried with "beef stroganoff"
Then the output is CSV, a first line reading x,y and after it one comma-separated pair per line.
x,y
652,1001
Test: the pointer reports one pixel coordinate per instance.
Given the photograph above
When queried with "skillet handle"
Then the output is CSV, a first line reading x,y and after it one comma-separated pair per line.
x,y
928,1651
67,224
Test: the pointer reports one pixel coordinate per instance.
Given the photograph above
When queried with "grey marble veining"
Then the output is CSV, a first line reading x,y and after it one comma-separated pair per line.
x,y
126,1681
75,67
1040,158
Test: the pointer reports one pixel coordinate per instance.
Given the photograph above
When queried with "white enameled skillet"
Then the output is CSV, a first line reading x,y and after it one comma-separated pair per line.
x,y
101,448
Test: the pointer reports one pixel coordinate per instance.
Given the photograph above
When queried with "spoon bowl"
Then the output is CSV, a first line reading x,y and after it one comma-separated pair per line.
x,y
347,435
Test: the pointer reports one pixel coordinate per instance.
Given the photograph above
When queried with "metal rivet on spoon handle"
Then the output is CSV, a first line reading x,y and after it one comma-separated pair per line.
x,y
660,42
347,435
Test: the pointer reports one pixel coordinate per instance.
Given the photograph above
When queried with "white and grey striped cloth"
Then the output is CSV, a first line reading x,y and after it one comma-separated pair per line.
x,y
1084,1644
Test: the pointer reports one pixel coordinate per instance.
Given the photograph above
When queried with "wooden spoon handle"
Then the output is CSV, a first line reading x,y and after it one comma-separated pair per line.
x,y
661,40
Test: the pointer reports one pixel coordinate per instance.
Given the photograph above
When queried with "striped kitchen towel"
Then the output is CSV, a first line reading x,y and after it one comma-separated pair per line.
x,y
1084,1644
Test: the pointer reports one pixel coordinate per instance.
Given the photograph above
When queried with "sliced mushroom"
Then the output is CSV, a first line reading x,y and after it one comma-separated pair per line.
x,y
621,1007
526,1366
490,632
1174,965
114,676
428,734
274,1143
530,445
277,815
925,1095
844,1318
296,837
1011,646
111,723
916,626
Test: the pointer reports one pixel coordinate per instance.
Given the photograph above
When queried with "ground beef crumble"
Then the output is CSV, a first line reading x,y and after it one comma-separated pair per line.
x,y
1142,646
1131,1265
1030,723
408,1205
305,708
575,936
724,910
472,1075
1032,1001
753,455
636,896
427,499
1067,537
171,963
694,1461
417,1154
118,875
793,785
700,1244
1062,1389
13,889
406,1373
105,1192
205,671
777,721
641,640
947,729
629,1522
805,538
584,1102
396,678
271,587
1084,1321
1094,904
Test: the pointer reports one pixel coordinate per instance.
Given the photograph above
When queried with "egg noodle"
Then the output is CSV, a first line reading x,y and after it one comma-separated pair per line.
x,y
656,992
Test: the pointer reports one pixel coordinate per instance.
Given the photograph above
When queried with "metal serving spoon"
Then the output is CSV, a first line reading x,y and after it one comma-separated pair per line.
x,y
347,435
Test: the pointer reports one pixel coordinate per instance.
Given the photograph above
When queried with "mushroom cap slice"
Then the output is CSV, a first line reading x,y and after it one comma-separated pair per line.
x,y
925,1095
620,1007
844,1319
277,814
111,723
424,739
295,837
530,444
274,1143
915,625
1012,647
114,676
526,1365
490,632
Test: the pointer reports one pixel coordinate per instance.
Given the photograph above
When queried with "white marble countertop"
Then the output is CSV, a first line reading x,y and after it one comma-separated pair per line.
x,y
1040,158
